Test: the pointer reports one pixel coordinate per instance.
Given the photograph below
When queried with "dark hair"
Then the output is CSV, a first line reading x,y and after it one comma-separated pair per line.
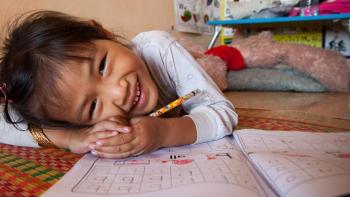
x,y
37,44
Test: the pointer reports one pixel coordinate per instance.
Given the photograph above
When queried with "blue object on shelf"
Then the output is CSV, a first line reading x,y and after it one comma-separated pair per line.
x,y
279,19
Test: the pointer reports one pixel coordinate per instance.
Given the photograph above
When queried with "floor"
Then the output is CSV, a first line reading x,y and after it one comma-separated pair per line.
x,y
334,105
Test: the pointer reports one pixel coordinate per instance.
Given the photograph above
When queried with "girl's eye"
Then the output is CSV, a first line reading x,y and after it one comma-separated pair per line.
x,y
92,108
102,66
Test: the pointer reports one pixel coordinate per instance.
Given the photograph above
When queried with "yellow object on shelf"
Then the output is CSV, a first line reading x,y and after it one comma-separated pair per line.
x,y
310,38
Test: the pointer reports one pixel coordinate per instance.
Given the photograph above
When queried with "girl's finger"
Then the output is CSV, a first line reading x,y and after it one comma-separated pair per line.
x,y
140,150
119,152
131,146
137,119
111,155
119,120
116,141
93,137
109,125
114,149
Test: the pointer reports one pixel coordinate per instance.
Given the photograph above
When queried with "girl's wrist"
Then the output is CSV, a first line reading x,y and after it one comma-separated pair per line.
x,y
163,130
40,137
69,140
59,137
177,131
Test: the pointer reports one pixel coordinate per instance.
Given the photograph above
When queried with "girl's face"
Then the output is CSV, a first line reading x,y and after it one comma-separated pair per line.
x,y
115,82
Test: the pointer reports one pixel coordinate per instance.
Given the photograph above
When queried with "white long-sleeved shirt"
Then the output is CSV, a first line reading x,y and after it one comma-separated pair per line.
x,y
175,73
9,134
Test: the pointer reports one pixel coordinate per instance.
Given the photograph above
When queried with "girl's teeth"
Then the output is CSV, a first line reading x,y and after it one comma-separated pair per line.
x,y
138,93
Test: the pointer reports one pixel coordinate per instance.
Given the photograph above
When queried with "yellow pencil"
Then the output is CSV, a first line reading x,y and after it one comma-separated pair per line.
x,y
174,104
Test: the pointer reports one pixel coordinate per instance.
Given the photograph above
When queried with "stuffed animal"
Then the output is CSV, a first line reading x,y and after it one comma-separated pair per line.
x,y
213,65
323,66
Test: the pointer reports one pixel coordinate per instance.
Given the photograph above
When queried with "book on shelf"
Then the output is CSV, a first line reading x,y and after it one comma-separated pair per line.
x,y
311,36
252,163
332,38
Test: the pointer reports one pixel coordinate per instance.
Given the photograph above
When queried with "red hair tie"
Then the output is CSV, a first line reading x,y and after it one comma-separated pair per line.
x,y
3,89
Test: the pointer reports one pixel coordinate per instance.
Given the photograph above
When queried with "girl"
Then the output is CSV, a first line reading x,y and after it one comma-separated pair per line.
x,y
78,86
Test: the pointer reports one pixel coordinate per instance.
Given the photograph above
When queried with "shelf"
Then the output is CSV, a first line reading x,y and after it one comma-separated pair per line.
x,y
279,20
276,20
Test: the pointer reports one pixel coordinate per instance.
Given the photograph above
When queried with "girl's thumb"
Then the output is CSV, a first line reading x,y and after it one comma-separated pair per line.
x,y
135,120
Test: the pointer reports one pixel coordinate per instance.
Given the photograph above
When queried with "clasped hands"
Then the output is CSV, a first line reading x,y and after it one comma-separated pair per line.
x,y
118,137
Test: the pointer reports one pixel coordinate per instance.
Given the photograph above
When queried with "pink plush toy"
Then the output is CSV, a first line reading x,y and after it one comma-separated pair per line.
x,y
213,65
327,67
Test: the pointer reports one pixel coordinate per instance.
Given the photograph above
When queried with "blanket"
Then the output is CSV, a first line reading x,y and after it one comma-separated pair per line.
x,y
272,79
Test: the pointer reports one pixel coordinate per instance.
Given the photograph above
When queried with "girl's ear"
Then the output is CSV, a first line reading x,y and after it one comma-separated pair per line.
x,y
100,27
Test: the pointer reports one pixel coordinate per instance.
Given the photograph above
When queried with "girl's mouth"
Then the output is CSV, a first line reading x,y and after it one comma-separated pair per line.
x,y
138,95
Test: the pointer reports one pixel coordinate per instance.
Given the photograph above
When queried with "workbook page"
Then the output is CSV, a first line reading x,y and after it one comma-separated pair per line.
x,y
209,169
300,163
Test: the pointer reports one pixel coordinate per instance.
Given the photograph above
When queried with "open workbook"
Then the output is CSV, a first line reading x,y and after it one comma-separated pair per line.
x,y
252,163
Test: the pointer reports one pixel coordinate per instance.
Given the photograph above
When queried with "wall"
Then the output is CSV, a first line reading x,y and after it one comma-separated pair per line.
x,y
126,17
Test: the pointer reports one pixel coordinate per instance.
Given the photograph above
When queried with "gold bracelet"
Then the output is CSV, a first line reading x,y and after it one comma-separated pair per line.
x,y
40,137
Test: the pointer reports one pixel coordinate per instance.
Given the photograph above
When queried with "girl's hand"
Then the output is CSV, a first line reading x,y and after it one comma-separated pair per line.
x,y
79,140
146,136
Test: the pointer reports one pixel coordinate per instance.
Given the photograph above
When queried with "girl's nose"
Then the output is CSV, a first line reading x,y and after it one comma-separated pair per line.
x,y
117,93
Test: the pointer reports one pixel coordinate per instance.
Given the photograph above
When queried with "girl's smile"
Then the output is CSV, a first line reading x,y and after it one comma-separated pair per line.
x,y
139,98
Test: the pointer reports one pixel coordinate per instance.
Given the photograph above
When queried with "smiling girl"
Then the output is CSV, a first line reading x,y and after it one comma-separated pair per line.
x,y
79,86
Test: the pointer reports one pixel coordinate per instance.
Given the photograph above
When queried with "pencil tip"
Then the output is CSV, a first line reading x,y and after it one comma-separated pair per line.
x,y
196,91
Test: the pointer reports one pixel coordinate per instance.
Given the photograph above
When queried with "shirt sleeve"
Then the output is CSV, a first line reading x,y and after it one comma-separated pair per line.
x,y
213,115
9,134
